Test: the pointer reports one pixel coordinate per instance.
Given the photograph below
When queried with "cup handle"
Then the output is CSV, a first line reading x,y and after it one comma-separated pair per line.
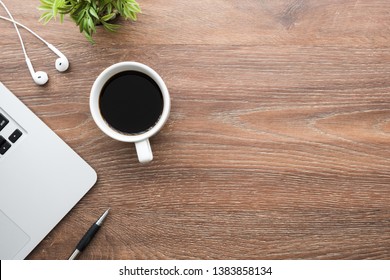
x,y
144,151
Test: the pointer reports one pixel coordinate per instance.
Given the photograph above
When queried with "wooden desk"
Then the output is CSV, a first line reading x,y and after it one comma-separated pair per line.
x,y
278,142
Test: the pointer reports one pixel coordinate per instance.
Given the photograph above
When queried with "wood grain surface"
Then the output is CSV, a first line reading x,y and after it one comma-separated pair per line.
x,y
278,142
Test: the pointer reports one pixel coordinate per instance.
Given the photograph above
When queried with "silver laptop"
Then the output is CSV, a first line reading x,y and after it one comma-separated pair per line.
x,y
41,178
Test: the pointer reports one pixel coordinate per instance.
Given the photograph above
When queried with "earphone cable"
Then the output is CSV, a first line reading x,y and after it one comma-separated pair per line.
x,y
16,27
25,27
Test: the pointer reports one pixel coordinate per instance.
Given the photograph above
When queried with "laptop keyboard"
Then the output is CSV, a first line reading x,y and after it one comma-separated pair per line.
x,y
7,137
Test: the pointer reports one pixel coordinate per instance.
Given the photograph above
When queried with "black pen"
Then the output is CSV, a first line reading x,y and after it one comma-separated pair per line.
x,y
88,236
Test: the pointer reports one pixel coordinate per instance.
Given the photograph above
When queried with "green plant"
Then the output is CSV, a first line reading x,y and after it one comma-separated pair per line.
x,y
89,13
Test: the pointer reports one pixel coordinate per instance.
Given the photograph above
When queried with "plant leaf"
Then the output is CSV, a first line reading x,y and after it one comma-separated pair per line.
x,y
93,13
110,27
108,17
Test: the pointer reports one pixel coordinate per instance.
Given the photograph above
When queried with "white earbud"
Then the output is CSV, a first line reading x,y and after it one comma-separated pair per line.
x,y
39,77
62,63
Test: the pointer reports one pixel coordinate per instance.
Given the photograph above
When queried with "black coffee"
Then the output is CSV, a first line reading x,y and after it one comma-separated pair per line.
x,y
131,102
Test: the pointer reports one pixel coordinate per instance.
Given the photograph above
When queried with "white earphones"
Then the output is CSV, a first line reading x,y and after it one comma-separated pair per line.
x,y
39,77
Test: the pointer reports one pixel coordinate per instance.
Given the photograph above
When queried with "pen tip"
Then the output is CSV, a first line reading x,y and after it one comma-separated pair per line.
x,y
101,219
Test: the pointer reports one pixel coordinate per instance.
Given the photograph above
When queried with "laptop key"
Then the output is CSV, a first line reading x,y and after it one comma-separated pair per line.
x,y
15,136
4,147
2,140
3,122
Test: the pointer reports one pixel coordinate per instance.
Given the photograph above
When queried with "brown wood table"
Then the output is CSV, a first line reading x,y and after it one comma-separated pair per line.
x,y
278,142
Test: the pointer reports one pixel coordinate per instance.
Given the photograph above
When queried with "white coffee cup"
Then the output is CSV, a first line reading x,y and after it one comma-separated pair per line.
x,y
141,140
